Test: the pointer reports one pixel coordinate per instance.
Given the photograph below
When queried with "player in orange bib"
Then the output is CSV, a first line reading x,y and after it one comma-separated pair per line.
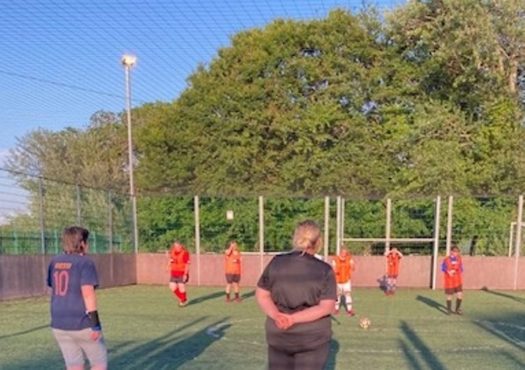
x,y
393,259
452,268
344,265
232,268
179,263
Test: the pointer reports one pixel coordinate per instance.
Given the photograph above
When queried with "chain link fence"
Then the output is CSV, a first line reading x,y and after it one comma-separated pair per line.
x,y
35,210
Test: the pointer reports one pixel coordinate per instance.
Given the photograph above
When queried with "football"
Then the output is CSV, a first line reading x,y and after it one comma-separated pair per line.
x,y
364,322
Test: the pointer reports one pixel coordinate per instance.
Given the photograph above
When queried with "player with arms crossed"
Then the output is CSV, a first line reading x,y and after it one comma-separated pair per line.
x,y
344,265
452,268
393,260
232,267
72,277
179,264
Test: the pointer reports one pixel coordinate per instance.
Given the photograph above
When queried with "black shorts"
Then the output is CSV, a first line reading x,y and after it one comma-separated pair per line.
x,y
179,279
457,289
233,278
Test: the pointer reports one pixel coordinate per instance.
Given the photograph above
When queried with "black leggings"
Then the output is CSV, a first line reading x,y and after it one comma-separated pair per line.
x,y
313,359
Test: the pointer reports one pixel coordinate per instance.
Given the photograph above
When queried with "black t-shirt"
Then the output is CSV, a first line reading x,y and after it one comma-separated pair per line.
x,y
298,281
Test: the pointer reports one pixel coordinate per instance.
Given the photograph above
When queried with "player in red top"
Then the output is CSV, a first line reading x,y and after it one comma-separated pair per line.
x,y
344,265
393,258
232,268
452,268
179,264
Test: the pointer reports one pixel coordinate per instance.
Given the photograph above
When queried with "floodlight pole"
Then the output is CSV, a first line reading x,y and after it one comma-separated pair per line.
x,y
128,61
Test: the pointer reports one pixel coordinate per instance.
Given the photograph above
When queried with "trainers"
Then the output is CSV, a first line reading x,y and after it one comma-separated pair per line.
x,y
228,300
238,300
183,304
459,311
351,313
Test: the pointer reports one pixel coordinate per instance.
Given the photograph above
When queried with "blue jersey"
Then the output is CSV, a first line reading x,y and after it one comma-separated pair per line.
x,y
66,274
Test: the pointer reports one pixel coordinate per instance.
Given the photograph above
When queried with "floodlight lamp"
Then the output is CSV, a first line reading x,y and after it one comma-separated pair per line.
x,y
128,60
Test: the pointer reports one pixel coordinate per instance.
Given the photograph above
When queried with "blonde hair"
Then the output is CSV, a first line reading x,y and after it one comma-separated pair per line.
x,y
307,235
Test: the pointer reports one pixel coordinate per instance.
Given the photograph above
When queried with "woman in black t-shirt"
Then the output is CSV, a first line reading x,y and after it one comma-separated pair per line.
x,y
297,292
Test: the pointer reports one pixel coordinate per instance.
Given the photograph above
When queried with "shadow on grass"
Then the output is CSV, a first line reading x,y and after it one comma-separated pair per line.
x,y
430,359
171,350
205,297
430,302
510,329
24,332
332,355
247,295
504,295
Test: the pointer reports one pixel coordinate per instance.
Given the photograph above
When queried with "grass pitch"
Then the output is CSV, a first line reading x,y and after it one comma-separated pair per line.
x,y
145,329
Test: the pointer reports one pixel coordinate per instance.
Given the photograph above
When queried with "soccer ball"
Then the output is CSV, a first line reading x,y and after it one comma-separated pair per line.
x,y
365,323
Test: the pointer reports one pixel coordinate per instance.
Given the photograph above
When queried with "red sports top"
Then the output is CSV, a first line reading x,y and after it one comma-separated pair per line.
x,y
455,279
342,268
232,262
392,264
178,261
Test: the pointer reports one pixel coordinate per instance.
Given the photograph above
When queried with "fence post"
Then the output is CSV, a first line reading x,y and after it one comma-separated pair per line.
x,y
436,242
449,222
110,222
261,231
326,226
79,211
338,226
388,226
42,217
519,224
197,237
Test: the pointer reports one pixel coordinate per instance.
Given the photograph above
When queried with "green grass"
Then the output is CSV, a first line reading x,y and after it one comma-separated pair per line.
x,y
145,329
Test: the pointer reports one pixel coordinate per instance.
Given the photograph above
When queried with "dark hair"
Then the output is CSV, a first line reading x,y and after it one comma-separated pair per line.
x,y
74,239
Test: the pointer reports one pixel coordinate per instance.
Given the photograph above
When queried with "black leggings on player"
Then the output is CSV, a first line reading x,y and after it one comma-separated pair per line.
x,y
310,359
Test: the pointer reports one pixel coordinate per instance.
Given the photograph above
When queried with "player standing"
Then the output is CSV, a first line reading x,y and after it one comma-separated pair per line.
x,y
344,265
232,267
452,268
75,323
179,264
393,259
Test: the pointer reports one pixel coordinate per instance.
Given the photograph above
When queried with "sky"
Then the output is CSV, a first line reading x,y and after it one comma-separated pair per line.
x,y
60,60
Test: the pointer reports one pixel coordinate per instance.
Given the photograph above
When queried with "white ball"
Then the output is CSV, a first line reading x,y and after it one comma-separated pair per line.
x,y
365,323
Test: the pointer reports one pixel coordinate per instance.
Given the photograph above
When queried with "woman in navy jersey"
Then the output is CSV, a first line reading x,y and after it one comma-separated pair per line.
x,y
72,277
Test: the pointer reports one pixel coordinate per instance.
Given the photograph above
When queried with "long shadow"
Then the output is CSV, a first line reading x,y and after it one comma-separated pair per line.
x,y
332,355
504,295
247,295
409,355
173,349
205,298
432,303
431,360
24,332
510,331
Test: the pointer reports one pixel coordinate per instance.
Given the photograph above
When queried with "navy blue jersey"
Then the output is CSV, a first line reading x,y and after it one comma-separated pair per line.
x,y
66,274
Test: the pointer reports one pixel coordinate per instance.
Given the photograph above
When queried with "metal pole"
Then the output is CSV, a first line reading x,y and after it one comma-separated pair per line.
x,y
436,242
197,237
511,237
326,226
449,223
342,228
110,222
42,217
338,226
79,212
519,225
261,231
127,68
388,226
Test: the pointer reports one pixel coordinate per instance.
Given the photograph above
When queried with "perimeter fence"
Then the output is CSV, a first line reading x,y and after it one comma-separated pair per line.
x,y
34,210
